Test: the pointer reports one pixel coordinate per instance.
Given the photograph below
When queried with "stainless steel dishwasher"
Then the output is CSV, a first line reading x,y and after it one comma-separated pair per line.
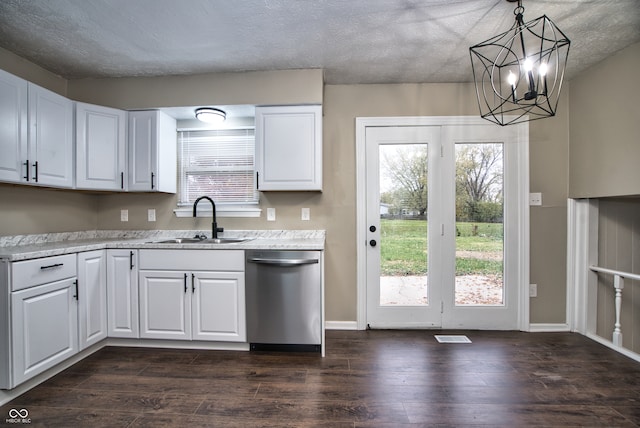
x,y
283,300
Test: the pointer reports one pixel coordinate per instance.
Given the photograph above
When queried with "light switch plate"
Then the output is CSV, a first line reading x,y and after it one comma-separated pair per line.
x,y
535,199
124,215
271,214
151,214
533,290
306,214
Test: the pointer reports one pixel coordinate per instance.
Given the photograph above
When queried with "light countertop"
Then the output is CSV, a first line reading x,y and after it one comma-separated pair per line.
x,y
24,247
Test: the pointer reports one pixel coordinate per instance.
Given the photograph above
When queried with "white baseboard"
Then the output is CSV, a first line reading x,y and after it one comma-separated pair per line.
x,y
341,325
609,344
548,328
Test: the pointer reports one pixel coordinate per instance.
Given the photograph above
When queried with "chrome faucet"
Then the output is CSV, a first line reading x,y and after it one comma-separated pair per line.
x,y
214,226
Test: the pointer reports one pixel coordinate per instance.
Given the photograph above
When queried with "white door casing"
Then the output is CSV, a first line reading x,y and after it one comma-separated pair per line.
x,y
519,211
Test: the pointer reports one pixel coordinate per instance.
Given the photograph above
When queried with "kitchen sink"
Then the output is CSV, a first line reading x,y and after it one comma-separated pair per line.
x,y
201,241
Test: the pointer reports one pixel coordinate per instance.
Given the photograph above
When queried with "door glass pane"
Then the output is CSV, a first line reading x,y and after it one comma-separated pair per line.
x,y
479,224
403,222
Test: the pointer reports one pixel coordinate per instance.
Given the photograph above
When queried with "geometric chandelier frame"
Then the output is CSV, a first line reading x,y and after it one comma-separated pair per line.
x,y
518,74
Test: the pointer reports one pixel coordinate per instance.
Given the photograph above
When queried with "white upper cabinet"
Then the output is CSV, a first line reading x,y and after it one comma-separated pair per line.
x,y
13,127
152,152
289,147
100,147
50,138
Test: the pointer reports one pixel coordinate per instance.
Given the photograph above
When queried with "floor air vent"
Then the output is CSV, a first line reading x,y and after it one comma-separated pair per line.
x,y
452,339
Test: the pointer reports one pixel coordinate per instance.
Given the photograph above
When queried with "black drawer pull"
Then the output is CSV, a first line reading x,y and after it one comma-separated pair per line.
x,y
52,266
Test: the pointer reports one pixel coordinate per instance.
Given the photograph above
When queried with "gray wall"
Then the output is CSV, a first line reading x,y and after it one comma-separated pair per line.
x,y
334,209
605,128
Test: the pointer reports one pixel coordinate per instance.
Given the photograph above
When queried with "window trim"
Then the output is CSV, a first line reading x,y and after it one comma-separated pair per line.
x,y
227,210
240,209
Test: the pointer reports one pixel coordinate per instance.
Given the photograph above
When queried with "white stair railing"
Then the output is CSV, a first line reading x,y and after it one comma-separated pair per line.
x,y
618,285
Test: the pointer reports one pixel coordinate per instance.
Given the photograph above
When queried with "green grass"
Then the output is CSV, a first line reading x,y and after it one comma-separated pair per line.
x,y
403,247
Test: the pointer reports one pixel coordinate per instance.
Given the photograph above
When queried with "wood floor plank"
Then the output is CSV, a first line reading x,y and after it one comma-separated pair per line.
x,y
369,378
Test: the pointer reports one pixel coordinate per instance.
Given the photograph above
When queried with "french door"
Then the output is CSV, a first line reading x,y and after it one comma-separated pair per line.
x,y
443,219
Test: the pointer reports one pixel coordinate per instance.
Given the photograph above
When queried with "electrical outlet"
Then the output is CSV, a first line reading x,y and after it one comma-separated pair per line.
x,y
271,214
124,215
533,290
305,214
535,199
151,214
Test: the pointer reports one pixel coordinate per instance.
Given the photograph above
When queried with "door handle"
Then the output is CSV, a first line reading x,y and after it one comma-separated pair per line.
x,y
193,283
373,243
130,260
76,296
27,165
185,283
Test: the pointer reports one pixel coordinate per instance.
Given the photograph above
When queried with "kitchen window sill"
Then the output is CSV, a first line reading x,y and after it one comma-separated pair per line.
x,y
221,211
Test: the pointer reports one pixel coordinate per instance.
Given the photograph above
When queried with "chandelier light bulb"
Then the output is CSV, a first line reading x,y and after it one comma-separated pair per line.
x,y
511,78
528,65
543,69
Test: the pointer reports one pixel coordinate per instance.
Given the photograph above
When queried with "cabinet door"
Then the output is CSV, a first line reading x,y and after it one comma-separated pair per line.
x,y
143,134
92,298
45,327
289,148
165,305
218,306
13,127
122,293
100,147
50,137
152,152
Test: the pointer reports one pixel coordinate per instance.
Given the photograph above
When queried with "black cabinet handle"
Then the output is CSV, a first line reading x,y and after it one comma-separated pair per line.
x,y
152,181
131,260
257,180
76,296
193,283
27,165
35,175
122,180
51,266
185,282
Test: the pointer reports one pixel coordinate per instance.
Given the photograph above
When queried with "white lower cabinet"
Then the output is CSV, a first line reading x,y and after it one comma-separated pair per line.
x,y
44,326
92,298
216,313
122,293
192,304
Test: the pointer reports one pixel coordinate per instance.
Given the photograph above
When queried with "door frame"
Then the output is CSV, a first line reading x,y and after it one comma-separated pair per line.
x,y
522,271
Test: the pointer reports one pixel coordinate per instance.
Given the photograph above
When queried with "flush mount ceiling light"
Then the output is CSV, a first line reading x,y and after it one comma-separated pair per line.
x,y
518,74
210,115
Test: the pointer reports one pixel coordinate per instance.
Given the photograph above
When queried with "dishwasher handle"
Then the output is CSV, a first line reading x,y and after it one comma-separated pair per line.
x,y
283,262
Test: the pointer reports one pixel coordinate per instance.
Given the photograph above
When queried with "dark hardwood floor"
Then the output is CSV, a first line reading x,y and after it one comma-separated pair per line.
x,y
368,378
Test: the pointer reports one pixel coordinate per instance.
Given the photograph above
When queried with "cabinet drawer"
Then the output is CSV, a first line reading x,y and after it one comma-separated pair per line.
x,y
41,271
210,260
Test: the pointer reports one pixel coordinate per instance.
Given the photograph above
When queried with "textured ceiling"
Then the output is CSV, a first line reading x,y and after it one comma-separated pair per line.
x,y
354,41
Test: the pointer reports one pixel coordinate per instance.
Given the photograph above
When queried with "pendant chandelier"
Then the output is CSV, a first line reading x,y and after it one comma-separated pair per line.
x,y
518,74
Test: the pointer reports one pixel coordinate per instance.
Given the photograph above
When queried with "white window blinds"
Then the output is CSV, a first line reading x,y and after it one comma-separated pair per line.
x,y
218,164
